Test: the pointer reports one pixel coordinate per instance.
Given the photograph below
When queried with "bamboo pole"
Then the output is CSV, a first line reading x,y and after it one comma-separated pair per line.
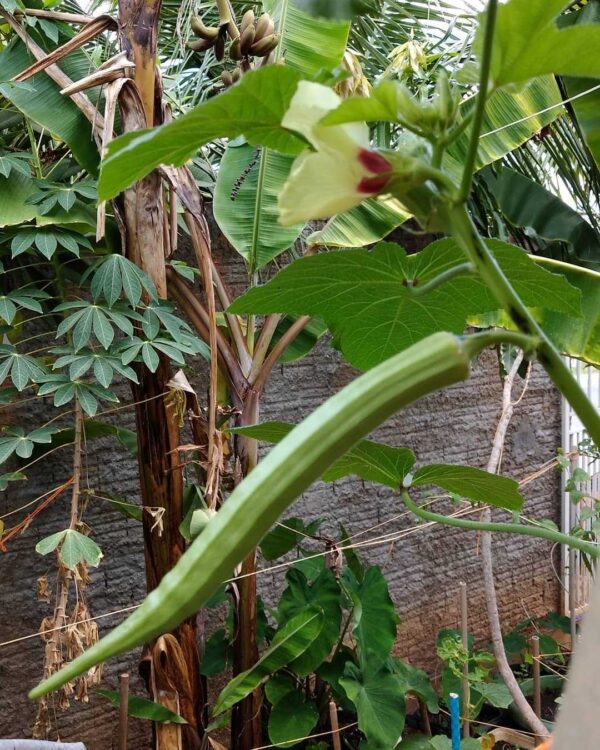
x,y
537,692
123,708
335,727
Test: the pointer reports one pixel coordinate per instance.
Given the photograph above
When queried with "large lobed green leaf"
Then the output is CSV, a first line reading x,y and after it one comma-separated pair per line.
x,y
577,336
379,702
374,462
253,108
528,43
367,301
475,484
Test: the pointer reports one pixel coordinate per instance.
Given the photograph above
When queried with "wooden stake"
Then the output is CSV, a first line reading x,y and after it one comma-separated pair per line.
x,y
123,706
537,692
464,629
335,727
573,596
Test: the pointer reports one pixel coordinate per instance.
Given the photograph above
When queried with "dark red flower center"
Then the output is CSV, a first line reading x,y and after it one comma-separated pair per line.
x,y
374,162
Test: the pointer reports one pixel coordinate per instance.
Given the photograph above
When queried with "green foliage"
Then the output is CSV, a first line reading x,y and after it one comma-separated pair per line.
x,y
527,204
40,99
374,617
475,484
379,703
292,717
245,202
21,368
338,8
374,462
115,276
254,109
142,708
16,440
528,43
368,299
290,642
74,548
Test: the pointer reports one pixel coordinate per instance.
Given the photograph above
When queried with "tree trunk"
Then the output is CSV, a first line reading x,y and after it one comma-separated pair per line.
x,y
173,675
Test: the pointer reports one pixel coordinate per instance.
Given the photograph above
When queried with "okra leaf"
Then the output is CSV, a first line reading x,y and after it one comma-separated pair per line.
x,y
370,301
475,484
528,43
371,461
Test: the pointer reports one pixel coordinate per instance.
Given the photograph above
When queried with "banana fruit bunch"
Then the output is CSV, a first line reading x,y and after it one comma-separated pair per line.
x,y
256,38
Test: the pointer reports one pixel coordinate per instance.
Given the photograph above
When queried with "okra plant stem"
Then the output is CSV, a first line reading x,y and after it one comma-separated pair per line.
x,y
492,275
541,532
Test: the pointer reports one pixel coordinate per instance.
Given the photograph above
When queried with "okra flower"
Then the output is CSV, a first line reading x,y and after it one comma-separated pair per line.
x,y
341,171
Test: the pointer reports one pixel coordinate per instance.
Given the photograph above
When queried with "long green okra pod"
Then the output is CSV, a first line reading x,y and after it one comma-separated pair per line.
x,y
288,470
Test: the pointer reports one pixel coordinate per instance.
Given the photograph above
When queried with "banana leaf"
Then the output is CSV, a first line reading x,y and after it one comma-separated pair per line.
x,y
254,177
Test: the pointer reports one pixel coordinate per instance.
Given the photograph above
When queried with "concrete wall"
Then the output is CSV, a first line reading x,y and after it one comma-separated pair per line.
x,y
423,569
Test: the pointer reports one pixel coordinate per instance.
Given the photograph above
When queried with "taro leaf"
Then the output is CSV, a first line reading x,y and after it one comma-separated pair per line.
x,y
142,708
374,462
283,537
94,429
352,560
278,686
475,484
292,640
374,617
367,301
525,203
254,108
218,653
379,703
417,682
292,718
324,593
528,43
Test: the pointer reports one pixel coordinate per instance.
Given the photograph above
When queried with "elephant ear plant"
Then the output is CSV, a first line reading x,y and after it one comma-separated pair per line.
x,y
340,170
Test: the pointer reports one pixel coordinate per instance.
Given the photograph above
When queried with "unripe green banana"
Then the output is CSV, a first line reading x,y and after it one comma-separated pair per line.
x,y
264,26
247,39
272,486
235,53
264,46
210,33
247,20
200,45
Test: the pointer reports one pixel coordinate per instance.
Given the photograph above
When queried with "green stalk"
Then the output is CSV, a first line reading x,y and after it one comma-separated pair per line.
x,y
492,275
272,486
541,532
484,78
